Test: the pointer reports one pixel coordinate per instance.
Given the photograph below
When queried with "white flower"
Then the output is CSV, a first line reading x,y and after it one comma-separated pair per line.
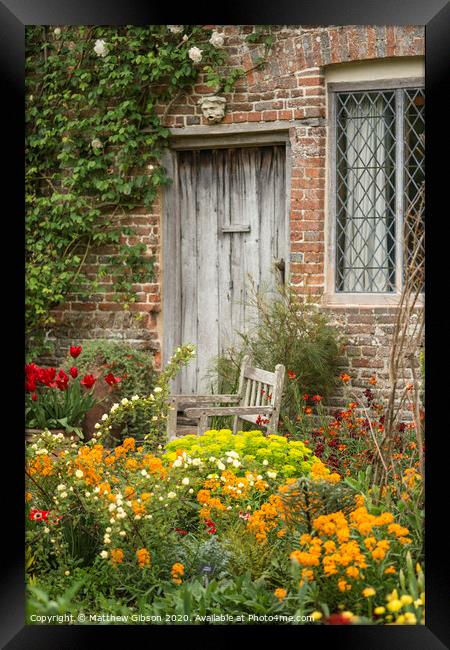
x,y
79,473
154,418
67,573
124,401
46,531
160,499
144,472
104,554
134,398
177,463
114,407
236,463
96,143
111,507
185,38
185,481
63,495
157,389
195,54
171,495
97,425
259,477
175,29
216,39
265,461
212,459
61,487
87,494
220,465
196,462
57,31
104,417
191,491
272,474
122,533
100,48
109,529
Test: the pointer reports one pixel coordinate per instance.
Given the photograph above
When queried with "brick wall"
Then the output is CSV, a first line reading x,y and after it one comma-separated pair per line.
x,y
290,88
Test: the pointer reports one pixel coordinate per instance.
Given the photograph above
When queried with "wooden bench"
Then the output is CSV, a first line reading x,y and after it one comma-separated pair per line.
x,y
258,401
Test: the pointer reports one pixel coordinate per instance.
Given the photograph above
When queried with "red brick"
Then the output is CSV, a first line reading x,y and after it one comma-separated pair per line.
x,y
269,116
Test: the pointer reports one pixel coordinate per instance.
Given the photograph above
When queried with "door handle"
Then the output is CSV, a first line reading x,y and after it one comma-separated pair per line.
x,y
280,264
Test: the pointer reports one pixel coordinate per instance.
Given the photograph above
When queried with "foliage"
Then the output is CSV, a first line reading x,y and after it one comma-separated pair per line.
x,y
289,332
134,367
153,407
94,140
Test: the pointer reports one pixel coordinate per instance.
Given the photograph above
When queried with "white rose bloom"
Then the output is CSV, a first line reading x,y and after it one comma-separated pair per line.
x,y
67,573
97,425
175,29
104,417
265,461
191,491
220,465
96,143
185,481
157,389
124,401
46,530
114,407
195,54
122,533
63,495
217,39
79,473
177,463
111,507
109,529
171,495
104,554
134,398
100,48
61,487
272,474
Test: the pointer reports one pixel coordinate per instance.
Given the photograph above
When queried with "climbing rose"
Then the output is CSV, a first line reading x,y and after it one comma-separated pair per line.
x,y
195,54
100,48
216,39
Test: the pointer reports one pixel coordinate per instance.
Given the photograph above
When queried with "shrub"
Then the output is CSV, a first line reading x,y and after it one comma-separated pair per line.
x,y
289,332
246,451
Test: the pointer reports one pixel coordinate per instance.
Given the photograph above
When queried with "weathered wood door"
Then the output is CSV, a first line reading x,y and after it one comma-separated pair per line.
x,y
225,222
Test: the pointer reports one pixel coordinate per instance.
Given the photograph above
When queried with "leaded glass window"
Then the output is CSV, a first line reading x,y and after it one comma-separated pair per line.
x,y
380,148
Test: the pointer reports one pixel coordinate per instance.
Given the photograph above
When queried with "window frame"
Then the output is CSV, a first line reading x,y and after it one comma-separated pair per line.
x,y
331,296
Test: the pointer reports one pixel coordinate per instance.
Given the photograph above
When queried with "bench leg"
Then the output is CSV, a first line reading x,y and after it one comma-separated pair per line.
x,y
202,425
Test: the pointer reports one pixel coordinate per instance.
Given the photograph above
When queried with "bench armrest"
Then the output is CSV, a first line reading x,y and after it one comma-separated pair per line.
x,y
228,410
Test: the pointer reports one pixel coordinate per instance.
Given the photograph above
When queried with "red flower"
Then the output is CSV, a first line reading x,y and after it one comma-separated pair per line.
x,y
74,372
34,397
111,380
338,619
46,376
316,398
88,381
211,526
30,384
180,531
75,351
291,374
61,380
305,397
37,515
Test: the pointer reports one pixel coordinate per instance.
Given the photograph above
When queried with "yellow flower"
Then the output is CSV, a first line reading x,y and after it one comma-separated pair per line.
x,y
410,618
406,599
368,592
317,615
280,593
394,605
379,610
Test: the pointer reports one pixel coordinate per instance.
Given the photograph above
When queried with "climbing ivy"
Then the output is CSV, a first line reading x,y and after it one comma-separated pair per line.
x,y
94,141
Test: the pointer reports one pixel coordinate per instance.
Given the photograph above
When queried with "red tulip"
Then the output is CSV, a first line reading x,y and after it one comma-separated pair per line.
x,y
61,380
111,380
34,397
88,381
75,351
291,374
74,372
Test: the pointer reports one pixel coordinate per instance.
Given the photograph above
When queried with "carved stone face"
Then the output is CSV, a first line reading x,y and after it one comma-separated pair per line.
x,y
213,108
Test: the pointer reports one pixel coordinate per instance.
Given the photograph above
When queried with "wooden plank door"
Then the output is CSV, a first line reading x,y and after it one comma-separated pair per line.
x,y
226,223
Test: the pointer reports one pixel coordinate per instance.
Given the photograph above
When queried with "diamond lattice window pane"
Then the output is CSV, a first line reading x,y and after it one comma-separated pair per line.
x,y
414,183
365,188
